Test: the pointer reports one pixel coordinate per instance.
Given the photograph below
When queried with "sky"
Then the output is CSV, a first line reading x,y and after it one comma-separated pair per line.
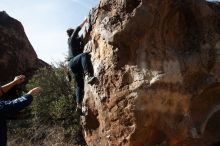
x,y
45,23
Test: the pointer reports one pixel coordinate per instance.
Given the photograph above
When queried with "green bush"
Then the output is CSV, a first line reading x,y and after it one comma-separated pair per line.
x,y
53,108
56,100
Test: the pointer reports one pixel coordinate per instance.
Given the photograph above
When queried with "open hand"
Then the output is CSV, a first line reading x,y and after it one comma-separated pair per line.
x,y
19,79
35,91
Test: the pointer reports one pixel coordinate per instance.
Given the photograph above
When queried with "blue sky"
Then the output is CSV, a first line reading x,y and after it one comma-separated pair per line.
x,y
45,22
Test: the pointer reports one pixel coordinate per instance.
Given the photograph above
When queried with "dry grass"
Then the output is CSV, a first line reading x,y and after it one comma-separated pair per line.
x,y
45,136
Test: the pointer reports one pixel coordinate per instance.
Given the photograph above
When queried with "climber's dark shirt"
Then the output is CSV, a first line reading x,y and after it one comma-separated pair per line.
x,y
75,44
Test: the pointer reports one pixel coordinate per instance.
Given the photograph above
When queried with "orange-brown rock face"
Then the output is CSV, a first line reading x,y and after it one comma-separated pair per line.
x,y
17,56
158,68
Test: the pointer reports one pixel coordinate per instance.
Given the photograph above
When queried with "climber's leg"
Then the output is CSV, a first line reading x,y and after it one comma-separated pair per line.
x,y
86,64
75,64
87,67
82,64
79,78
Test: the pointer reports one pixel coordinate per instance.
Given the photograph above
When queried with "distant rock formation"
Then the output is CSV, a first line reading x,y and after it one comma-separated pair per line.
x,y
158,66
17,55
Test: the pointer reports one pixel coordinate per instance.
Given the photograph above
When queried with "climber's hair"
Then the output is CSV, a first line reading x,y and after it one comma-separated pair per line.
x,y
69,31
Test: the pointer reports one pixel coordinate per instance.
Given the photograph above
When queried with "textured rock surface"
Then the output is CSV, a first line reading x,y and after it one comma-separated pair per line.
x,y
158,66
17,56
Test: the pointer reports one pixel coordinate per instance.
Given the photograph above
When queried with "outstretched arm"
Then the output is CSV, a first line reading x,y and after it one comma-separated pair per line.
x,y
13,106
83,23
17,80
75,33
86,36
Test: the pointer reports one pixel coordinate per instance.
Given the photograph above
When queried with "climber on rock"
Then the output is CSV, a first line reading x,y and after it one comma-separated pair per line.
x,y
79,63
8,107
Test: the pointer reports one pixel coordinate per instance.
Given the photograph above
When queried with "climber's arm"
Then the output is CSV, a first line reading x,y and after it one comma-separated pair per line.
x,y
76,31
83,23
86,37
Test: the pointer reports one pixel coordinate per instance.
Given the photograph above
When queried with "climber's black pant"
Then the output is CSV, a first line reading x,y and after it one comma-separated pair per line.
x,y
80,65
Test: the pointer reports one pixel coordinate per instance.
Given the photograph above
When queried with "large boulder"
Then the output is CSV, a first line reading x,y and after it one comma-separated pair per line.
x,y
17,55
158,68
